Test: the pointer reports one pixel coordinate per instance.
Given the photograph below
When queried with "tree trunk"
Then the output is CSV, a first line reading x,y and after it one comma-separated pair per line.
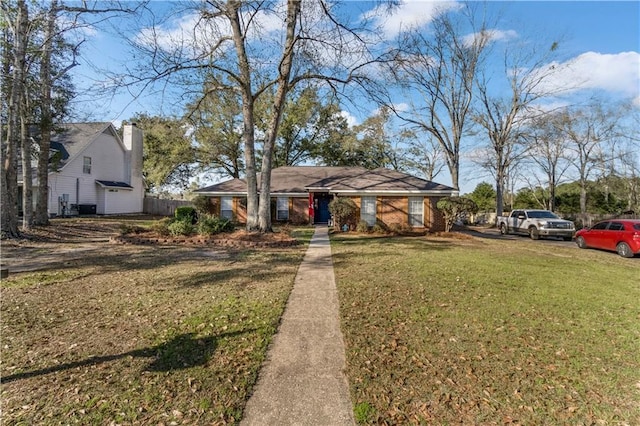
x,y
10,162
583,197
264,214
27,173
41,216
499,193
25,142
248,132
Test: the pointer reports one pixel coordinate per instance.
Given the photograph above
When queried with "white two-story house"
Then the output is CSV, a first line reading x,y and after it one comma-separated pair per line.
x,y
94,171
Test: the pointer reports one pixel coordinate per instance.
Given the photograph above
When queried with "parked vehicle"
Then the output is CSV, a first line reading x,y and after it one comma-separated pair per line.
x,y
536,224
619,235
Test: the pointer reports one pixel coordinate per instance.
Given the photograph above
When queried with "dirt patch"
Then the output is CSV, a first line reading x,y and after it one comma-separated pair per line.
x,y
67,242
238,238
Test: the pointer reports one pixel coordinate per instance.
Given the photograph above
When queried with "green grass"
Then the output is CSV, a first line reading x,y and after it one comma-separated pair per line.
x,y
145,335
483,332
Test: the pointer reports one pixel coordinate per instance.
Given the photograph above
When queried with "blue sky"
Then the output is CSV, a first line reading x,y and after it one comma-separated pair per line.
x,y
600,38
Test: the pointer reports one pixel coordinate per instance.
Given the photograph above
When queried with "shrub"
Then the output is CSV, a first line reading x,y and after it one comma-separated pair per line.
x,y
380,227
343,210
203,205
210,225
181,227
162,226
187,213
362,226
400,228
127,228
455,208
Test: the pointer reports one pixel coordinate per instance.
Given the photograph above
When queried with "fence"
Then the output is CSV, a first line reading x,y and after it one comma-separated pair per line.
x,y
590,219
161,207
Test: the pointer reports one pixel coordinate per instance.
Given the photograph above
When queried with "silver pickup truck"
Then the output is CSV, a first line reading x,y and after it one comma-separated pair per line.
x,y
536,224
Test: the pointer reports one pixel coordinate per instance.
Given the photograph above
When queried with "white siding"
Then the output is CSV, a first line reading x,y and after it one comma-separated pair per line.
x,y
109,161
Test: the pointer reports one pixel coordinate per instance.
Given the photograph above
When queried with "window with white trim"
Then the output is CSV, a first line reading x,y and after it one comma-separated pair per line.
x,y
86,165
368,210
282,208
226,207
416,211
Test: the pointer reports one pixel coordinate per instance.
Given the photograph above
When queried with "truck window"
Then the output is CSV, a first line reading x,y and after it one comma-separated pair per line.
x,y
543,214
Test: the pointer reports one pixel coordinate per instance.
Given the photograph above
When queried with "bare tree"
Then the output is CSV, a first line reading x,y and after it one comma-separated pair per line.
x,y
233,48
437,70
547,151
588,130
425,156
504,116
284,85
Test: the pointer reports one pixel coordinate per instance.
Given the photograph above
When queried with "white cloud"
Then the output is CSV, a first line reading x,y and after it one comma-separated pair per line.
x,y
492,35
351,119
617,73
408,14
194,32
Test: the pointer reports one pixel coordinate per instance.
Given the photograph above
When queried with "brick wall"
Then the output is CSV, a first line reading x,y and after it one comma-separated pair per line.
x,y
436,219
389,210
240,209
299,210
393,210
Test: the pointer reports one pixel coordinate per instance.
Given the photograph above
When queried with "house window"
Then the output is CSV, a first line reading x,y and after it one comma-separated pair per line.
x,y
86,165
416,211
368,210
282,208
226,207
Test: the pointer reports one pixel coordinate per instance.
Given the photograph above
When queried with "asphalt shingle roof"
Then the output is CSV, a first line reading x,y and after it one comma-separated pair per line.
x,y
74,137
300,179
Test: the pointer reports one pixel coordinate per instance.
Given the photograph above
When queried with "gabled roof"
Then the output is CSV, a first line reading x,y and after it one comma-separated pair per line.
x,y
69,140
72,138
356,180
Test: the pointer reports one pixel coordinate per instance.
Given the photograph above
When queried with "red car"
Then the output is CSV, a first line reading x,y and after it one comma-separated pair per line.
x,y
620,235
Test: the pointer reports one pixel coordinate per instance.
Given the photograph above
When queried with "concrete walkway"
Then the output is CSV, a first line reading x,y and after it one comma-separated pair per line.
x,y
302,381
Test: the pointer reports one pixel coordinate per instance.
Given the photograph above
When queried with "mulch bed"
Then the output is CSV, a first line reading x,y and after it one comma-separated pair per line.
x,y
236,239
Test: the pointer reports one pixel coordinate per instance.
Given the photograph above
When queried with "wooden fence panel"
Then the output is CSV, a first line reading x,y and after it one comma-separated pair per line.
x,y
162,207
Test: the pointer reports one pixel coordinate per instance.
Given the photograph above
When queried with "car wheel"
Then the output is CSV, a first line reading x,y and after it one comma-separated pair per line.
x,y
533,233
624,250
503,229
581,242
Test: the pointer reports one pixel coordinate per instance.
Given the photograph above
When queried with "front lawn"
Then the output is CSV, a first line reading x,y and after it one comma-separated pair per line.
x,y
140,334
479,331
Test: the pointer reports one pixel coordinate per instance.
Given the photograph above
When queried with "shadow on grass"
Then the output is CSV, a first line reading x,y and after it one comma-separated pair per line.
x,y
183,351
412,243
244,272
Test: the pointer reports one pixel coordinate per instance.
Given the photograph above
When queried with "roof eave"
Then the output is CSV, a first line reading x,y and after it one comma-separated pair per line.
x,y
439,192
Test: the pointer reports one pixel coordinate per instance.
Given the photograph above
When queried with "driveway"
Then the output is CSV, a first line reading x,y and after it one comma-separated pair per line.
x,y
494,234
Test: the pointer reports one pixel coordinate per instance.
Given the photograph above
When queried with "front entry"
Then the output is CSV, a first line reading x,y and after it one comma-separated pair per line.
x,y
321,207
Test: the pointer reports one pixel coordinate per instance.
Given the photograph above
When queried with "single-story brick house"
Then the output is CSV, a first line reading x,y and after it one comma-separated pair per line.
x,y
301,194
